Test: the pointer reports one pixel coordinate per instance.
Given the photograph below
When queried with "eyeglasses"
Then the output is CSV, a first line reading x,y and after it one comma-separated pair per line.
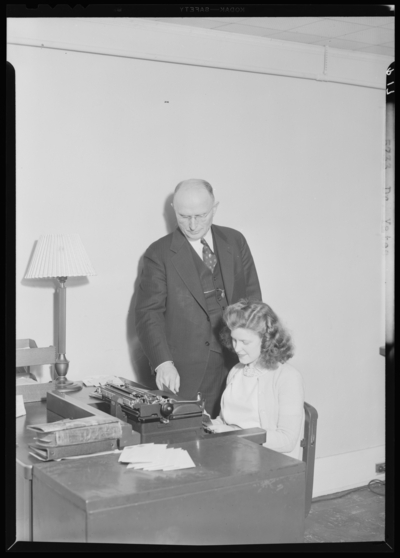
x,y
200,218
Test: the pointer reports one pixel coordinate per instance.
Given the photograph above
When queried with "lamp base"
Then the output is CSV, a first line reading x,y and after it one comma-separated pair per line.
x,y
62,384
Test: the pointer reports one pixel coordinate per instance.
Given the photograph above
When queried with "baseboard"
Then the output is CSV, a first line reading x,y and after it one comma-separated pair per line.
x,y
347,470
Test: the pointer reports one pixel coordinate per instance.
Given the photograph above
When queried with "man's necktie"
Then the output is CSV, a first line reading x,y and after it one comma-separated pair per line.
x,y
209,258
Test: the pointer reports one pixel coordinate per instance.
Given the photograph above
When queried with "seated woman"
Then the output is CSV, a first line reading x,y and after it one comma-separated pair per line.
x,y
263,390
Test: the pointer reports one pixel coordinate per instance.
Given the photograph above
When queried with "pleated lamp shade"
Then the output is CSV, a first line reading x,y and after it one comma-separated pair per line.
x,y
59,255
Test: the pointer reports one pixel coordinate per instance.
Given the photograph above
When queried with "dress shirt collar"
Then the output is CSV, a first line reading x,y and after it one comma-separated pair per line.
x,y
197,245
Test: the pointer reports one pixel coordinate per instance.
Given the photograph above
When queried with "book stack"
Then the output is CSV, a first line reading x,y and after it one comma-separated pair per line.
x,y
75,437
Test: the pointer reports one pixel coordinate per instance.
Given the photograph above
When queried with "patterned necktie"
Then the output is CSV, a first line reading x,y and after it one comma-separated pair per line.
x,y
209,258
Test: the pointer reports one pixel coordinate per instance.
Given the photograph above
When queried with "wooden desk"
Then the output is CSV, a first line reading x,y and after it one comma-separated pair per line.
x,y
239,493
35,414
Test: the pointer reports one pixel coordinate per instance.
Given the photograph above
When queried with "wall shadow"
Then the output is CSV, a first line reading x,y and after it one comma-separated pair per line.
x,y
169,215
139,361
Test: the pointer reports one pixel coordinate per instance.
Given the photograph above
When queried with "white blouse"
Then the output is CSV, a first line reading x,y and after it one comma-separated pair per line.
x,y
270,399
239,403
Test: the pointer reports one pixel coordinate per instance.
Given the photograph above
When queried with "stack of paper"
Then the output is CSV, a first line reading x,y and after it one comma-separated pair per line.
x,y
156,457
95,381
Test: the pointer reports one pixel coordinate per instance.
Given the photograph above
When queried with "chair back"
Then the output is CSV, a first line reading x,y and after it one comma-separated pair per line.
x,y
28,353
309,444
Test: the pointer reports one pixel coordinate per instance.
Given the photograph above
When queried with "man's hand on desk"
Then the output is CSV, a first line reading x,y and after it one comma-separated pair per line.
x,y
167,375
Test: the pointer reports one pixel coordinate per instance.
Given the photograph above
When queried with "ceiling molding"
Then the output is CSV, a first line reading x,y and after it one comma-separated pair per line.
x,y
163,42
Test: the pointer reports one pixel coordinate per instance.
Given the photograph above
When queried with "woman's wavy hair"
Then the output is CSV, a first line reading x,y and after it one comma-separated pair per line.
x,y
276,343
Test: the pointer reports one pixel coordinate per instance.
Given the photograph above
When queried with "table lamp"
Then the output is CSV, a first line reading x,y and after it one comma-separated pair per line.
x,y
60,256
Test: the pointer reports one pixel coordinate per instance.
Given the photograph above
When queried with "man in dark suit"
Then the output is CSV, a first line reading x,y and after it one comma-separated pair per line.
x,y
188,279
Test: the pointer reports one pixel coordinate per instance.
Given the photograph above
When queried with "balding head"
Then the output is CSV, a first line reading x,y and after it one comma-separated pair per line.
x,y
195,183
194,206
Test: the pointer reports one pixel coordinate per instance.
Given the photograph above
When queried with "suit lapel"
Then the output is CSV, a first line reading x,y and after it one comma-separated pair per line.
x,y
185,266
225,257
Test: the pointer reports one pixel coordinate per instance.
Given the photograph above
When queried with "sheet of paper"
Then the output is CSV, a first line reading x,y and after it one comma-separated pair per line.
x,y
20,407
156,457
217,428
178,459
142,453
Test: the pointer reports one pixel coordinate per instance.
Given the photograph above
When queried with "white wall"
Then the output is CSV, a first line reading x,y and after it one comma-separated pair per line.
x,y
297,166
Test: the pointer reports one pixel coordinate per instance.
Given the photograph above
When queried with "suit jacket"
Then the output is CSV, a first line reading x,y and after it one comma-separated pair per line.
x,y
171,316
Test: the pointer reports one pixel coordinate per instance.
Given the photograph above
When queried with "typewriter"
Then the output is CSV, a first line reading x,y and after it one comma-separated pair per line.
x,y
155,415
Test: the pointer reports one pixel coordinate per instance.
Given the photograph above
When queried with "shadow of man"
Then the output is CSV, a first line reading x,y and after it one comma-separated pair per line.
x,y
139,362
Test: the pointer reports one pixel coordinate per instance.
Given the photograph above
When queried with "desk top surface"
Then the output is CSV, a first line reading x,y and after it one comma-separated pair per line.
x,y
97,482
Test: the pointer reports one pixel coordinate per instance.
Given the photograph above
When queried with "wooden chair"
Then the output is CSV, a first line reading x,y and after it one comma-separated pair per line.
x,y
309,444
29,354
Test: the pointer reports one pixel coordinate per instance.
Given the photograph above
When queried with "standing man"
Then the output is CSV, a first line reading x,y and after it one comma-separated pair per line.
x,y
188,279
